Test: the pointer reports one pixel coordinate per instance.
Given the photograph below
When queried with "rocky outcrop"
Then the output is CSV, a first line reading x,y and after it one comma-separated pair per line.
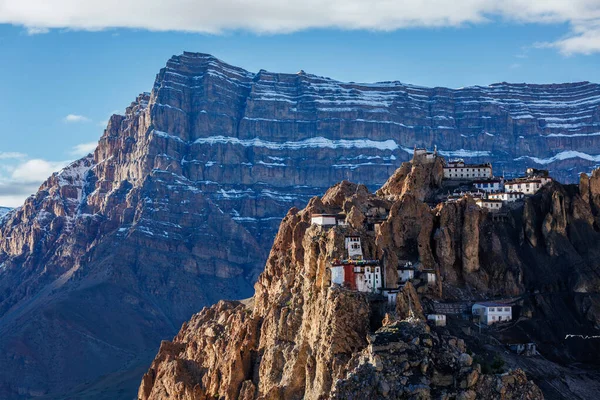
x,y
406,361
420,179
178,205
304,338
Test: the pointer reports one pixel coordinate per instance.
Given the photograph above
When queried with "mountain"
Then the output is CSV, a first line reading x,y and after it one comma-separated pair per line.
x,y
300,337
4,211
178,205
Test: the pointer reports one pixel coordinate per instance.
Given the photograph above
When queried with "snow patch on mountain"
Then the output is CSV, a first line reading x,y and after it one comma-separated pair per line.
x,y
4,211
465,153
316,142
564,155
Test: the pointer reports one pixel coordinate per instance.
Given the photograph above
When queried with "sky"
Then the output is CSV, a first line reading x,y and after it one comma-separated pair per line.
x,y
68,64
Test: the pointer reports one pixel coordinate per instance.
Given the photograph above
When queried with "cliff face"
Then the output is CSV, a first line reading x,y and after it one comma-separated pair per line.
x,y
178,205
301,338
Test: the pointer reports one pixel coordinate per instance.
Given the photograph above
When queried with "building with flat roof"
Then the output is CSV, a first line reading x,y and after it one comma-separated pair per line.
x,y
353,247
360,275
527,186
490,204
458,170
492,312
328,219
507,197
437,319
489,185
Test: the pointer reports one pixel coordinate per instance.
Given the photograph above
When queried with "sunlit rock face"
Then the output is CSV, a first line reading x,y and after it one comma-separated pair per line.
x,y
179,204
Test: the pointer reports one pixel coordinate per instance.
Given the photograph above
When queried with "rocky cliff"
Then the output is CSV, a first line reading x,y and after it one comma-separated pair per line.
x,y
300,337
178,205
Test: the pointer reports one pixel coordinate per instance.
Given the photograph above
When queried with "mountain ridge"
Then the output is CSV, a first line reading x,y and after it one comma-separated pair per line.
x,y
178,206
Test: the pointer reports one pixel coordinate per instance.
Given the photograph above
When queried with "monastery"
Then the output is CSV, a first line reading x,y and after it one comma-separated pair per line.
x,y
353,271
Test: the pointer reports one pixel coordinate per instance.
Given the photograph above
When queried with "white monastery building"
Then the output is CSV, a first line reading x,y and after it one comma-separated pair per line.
x,y
507,197
490,185
406,272
429,276
337,274
391,295
353,247
368,278
328,219
490,312
437,319
490,204
457,169
361,275
527,185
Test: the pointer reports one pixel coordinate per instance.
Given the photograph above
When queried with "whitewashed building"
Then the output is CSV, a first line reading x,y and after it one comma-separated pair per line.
x,y
368,278
429,276
527,186
458,170
391,296
508,197
437,319
337,274
490,204
490,312
353,247
490,185
328,219
406,272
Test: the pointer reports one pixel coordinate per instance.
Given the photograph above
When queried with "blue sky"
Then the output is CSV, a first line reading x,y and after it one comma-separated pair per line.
x,y
54,69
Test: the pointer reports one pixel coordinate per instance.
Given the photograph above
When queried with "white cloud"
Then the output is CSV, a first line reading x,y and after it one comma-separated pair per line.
x,y
32,30
11,155
75,117
584,39
279,16
36,170
83,149
20,177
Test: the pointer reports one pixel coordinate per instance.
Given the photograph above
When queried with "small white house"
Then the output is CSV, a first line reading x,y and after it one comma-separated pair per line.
x,y
391,295
490,204
328,219
437,319
527,186
429,276
489,185
506,196
490,312
337,274
353,247
368,278
406,272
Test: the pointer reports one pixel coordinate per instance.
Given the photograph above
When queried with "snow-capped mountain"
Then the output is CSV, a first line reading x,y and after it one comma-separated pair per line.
x,y
178,206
